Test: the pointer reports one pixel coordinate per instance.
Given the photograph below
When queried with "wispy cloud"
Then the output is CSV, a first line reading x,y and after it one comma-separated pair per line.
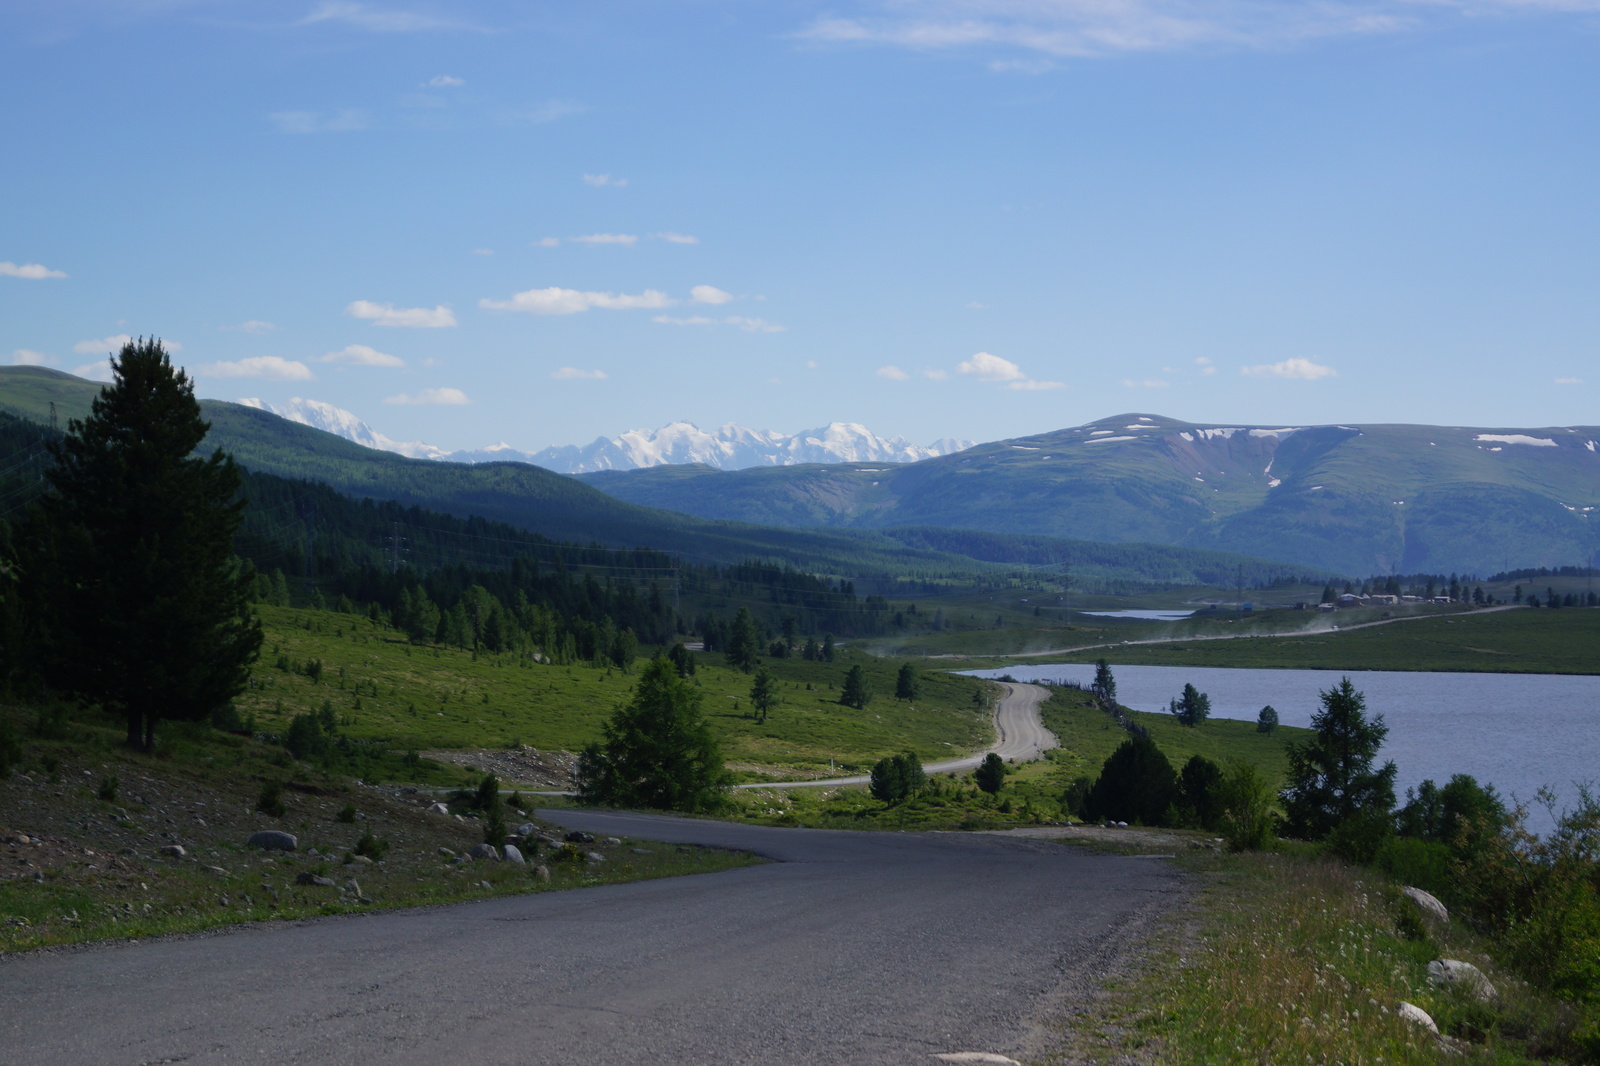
x,y
934,374
547,242
30,271
346,121
558,301
691,320
1104,27
1561,381
28,357
988,367
1295,369
270,367
754,325
625,239
361,355
443,81
539,114
100,371
1205,366
381,20
604,181
1035,386
431,397
893,373
572,373
114,343
402,317
709,294
677,238
1146,383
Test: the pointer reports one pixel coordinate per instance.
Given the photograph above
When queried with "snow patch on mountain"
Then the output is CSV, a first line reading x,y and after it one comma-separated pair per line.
x,y
342,423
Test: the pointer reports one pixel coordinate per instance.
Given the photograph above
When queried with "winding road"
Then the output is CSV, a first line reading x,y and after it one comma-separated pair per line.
x,y
1020,732
850,947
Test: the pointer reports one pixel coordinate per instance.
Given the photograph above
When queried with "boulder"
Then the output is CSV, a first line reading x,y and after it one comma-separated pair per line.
x,y
527,829
511,853
173,851
438,808
358,860
273,840
306,877
1414,1014
1427,903
594,857
484,851
1453,973
542,872
578,836
613,842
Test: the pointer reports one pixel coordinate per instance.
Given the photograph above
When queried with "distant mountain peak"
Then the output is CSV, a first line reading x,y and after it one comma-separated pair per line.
x,y
730,447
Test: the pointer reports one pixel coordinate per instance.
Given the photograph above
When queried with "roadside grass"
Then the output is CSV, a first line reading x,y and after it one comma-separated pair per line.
x,y
1295,957
382,688
94,869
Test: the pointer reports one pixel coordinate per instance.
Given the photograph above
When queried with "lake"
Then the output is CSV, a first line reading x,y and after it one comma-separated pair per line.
x,y
1143,615
1515,731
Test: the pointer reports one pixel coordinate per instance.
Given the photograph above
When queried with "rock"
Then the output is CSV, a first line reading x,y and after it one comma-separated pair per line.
x,y
306,877
594,857
613,842
542,872
527,829
311,851
1453,973
643,851
1427,903
273,840
438,808
511,853
484,851
486,886
173,851
217,871
1416,1016
353,887
578,836
358,860
447,853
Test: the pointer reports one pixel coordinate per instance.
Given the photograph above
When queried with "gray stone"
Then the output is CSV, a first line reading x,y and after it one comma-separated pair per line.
x,y
173,851
358,860
216,870
1453,973
1427,903
612,842
438,808
447,853
511,853
643,851
527,829
542,872
484,851
273,840
594,857
306,877
1414,1014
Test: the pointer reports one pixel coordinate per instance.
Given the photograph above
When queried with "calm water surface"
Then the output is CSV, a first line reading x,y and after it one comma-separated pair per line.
x,y
1515,731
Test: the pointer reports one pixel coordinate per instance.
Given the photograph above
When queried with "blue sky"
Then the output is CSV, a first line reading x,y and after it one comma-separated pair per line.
x,y
540,223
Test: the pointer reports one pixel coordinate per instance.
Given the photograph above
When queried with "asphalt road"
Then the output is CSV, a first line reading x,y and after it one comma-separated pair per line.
x,y
851,948
1021,736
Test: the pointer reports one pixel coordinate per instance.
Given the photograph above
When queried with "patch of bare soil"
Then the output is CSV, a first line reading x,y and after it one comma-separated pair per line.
x,y
522,767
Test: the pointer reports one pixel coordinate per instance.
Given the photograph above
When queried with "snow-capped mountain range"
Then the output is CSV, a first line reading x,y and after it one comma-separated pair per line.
x,y
730,447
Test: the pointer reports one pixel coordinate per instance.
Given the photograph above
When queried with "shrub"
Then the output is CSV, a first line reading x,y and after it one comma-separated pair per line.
x,y
270,801
371,847
1199,798
898,778
1246,799
1136,784
347,813
108,788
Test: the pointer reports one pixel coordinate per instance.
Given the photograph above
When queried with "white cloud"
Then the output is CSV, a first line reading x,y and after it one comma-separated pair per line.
x,y
547,242
441,397
974,305
114,343
572,373
30,271
443,81
677,238
1569,381
1205,366
404,317
270,367
691,320
1036,386
893,373
1296,369
812,364
709,294
1147,383
345,121
483,251
935,375
602,181
626,239
379,20
361,355
754,325
1106,27
558,301
986,367
100,371
28,357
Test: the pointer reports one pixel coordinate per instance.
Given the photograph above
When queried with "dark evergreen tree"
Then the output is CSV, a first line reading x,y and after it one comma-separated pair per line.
x,y
1200,792
142,605
744,642
1104,686
1136,784
1267,720
681,657
857,692
907,685
991,773
897,778
1331,779
658,750
763,694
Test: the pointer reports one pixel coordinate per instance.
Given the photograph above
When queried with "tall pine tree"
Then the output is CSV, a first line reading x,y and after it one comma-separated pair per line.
x,y
144,608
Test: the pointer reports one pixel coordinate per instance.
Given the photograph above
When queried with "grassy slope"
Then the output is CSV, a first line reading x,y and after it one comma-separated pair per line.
x,y
443,698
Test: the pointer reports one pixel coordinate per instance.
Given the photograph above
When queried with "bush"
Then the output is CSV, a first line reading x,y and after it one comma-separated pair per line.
x,y
270,801
305,738
898,778
1136,784
1246,799
347,814
1199,793
369,846
991,773
108,788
